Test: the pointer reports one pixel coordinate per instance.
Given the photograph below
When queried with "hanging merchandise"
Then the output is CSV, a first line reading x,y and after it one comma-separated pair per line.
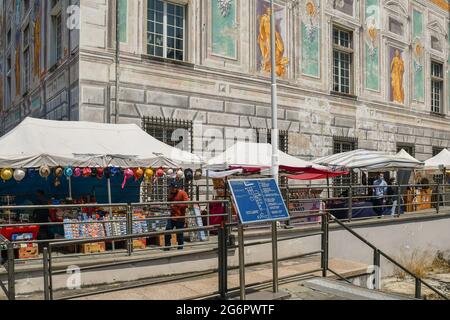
x,y
77,172
128,173
198,174
170,172
59,172
6,174
180,174
87,172
115,171
94,172
68,172
107,173
19,175
100,172
160,173
188,174
148,174
44,171
138,173
57,183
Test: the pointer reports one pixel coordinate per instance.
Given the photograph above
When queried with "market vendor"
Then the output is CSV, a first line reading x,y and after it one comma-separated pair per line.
x,y
177,212
41,215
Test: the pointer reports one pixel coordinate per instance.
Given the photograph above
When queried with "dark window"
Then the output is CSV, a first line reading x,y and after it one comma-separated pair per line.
x,y
342,61
265,136
176,133
407,147
437,87
437,150
344,145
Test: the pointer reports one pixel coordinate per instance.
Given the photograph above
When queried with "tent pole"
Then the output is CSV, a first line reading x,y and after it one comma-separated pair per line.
x,y
69,180
207,185
109,195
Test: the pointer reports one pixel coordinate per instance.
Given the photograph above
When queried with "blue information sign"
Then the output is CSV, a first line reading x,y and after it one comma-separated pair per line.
x,y
258,200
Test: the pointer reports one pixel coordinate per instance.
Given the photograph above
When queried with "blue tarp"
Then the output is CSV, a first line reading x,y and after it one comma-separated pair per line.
x,y
25,190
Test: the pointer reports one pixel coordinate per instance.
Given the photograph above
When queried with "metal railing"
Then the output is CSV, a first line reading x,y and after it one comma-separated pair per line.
x,y
224,240
9,265
377,254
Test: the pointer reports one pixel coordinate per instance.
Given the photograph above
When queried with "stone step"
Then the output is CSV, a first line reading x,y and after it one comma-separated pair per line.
x,y
348,291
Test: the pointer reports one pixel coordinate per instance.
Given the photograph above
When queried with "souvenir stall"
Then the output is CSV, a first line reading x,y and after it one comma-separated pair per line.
x,y
78,163
253,160
361,163
437,170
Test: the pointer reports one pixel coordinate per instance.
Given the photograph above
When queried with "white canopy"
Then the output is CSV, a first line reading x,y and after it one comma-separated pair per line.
x,y
257,155
35,142
441,160
369,160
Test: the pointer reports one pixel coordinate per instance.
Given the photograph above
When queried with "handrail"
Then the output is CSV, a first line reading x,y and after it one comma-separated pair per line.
x,y
417,278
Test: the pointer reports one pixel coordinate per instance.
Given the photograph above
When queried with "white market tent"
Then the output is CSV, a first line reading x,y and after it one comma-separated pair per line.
x,y
438,162
36,142
257,155
369,160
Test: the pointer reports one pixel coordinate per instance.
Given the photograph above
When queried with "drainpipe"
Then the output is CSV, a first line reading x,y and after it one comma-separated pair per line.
x,y
116,105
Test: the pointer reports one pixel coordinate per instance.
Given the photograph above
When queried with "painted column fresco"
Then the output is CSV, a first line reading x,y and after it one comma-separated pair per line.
x,y
418,57
263,40
310,13
372,45
223,28
37,39
17,47
123,14
397,71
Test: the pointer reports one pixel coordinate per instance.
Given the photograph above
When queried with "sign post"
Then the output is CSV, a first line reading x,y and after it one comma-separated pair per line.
x,y
258,200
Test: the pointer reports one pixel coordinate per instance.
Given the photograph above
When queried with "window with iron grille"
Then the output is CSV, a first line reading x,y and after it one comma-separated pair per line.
x,y
407,147
265,136
341,145
437,150
342,61
176,133
437,85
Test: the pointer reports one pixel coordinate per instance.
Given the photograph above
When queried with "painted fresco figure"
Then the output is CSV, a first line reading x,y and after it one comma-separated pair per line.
x,y
264,45
397,71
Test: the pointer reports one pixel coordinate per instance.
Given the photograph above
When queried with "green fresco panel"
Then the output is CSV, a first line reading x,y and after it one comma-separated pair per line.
x,y
372,69
417,24
419,88
123,13
223,30
310,52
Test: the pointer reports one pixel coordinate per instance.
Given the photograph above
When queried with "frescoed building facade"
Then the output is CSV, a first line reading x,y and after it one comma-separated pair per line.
x,y
370,74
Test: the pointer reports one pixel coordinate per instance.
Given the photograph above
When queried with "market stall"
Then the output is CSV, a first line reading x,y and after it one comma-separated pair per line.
x,y
365,162
82,162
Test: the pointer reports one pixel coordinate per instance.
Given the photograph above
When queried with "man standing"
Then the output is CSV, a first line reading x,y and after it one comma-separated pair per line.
x,y
379,193
178,211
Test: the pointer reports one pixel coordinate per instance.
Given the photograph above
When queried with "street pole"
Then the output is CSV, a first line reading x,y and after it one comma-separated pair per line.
x,y
274,96
274,144
116,105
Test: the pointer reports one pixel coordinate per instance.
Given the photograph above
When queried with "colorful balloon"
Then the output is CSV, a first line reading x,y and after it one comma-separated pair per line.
x,y
138,173
180,174
128,173
87,172
44,171
160,172
19,175
170,172
115,171
6,174
59,172
77,172
100,172
198,174
68,172
148,173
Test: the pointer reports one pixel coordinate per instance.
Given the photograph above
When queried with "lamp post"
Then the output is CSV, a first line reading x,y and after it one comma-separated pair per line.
x,y
275,165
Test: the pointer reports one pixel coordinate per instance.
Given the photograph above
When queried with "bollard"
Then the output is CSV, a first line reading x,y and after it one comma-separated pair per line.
x,y
275,257
418,293
222,267
241,262
377,271
324,262
399,202
350,203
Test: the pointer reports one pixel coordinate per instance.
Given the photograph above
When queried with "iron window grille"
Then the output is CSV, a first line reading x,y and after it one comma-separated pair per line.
x,y
265,136
341,145
410,148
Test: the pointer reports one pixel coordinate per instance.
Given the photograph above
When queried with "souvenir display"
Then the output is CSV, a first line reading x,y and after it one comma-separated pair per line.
x,y
19,175
68,172
44,171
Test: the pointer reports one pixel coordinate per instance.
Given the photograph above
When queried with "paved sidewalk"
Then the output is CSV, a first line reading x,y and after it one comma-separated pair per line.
x,y
190,289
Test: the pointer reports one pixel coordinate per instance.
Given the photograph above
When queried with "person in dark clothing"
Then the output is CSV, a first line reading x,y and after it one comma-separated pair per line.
x,y
178,211
41,215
